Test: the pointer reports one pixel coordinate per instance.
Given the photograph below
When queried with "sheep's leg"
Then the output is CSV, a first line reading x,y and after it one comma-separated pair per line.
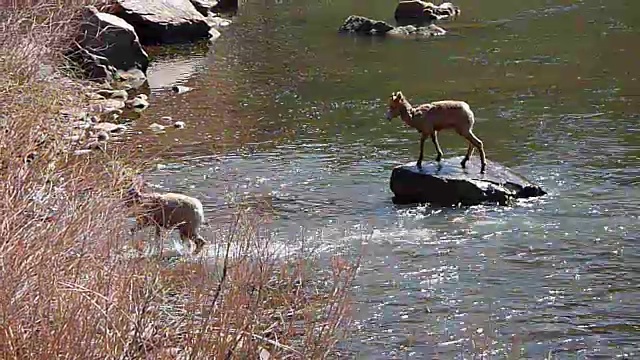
x,y
423,138
187,233
199,241
480,146
470,149
434,138
141,223
157,244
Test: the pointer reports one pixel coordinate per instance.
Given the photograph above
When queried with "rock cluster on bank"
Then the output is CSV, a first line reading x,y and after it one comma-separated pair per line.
x,y
110,43
109,48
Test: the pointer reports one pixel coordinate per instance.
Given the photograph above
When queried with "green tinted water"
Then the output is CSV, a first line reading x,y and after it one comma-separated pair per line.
x,y
290,112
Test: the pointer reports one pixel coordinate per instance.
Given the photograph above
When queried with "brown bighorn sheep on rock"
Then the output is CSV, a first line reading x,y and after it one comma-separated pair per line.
x,y
432,117
169,211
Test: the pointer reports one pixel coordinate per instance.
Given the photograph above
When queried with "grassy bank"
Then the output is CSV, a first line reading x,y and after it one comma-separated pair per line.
x,y
66,291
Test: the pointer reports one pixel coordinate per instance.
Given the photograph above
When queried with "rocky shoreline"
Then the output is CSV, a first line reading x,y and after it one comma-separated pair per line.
x,y
111,39
109,51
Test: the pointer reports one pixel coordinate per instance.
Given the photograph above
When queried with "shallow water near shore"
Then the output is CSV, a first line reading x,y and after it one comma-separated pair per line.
x,y
289,115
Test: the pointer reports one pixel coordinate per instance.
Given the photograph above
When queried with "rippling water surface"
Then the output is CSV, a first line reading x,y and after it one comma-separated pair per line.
x,y
291,114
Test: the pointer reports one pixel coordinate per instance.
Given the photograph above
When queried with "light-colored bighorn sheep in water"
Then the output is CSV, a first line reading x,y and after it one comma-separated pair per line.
x,y
169,211
432,117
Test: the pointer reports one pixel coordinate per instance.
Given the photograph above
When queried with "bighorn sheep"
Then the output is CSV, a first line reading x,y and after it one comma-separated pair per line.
x,y
169,211
432,117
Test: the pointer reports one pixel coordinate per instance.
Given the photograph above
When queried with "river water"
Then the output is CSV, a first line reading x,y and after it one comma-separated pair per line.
x,y
291,114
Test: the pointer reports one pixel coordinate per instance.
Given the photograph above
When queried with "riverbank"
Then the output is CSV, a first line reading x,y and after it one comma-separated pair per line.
x,y
68,290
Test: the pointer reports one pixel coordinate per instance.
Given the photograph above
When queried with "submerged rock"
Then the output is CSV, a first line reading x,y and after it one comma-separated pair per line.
x,y
138,103
107,43
164,21
157,127
218,22
179,89
130,79
225,6
113,94
109,127
179,124
449,184
106,106
363,25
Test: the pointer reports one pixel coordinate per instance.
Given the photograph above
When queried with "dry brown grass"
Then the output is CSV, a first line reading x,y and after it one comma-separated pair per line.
x,y
67,290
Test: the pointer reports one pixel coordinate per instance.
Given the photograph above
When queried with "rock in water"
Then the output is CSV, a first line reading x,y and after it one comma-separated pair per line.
x,y
448,184
364,25
230,6
410,31
418,12
179,89
164,21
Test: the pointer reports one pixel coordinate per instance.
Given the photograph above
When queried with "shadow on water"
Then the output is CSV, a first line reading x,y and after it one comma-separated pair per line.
x,y
289,116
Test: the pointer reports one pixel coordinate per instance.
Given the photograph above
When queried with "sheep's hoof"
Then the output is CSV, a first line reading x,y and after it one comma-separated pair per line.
x,y
438,158
482,169
419,164
199,246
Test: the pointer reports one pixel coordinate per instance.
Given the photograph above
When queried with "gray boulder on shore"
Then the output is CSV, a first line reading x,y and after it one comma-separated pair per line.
x,y
164,21
204,6
107,44
230,6
449,184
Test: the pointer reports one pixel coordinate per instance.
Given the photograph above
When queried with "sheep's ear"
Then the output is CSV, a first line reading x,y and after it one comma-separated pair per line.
x,y
399,96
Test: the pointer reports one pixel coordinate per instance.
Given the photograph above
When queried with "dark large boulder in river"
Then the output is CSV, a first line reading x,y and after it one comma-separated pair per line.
x,y
363,25
418,12
225,6
107,44
448,184
164,21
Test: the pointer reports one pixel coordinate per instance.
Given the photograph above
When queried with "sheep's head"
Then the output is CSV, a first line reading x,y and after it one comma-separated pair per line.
x,y
132,194
396,103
